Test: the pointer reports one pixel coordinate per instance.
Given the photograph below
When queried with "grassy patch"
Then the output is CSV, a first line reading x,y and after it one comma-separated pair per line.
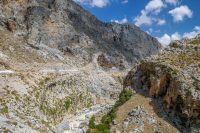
x,y
67,104
181,60
104,126
4,110
59,107
195,41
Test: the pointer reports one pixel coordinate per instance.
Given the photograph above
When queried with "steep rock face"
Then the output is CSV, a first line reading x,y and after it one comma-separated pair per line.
x,y
61,27
172,76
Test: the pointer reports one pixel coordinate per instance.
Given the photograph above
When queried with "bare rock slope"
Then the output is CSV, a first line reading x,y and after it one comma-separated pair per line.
x,y
57,59
172,79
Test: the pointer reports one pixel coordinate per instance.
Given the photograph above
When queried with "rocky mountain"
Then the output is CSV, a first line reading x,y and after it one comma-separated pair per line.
x,y
171,80
59,64
60,28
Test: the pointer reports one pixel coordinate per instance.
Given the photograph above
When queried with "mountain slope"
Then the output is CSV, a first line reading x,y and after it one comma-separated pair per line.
x,y
171,79
58,59
63,27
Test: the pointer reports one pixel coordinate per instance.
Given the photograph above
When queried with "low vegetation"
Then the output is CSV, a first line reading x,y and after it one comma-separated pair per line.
x,y
195,41
4,110
104,126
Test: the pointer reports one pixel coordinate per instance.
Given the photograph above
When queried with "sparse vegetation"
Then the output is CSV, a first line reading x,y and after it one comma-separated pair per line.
x,y
104,126
12,122
67,104
4,110
180,60
92,122
195,41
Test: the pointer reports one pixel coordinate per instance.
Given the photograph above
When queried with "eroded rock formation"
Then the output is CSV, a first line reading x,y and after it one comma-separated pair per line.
x,y
172,76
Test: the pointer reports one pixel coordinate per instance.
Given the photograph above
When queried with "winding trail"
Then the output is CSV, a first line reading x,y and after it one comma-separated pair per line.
x,y
6,71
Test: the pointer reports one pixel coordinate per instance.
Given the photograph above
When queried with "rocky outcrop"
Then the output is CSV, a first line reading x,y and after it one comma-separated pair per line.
x,y
57,59
173,77
58,27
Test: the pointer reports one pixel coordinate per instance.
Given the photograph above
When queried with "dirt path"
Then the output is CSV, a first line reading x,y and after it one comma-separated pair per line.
x,y
6,72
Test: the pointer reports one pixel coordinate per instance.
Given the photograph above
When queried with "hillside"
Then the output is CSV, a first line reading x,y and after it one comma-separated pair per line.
x,y
59,64
170,81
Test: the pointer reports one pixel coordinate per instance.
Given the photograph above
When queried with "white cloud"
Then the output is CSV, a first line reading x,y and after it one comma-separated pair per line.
x,y
124,20
154,5
149,31
193,33
197,28
99,3
143,19
164,40
173,2
124,1
179,13
161,22
176,36
94,3
190,34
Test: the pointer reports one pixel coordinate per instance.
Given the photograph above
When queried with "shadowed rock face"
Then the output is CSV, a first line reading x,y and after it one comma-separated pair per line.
x,y
66,26
172,77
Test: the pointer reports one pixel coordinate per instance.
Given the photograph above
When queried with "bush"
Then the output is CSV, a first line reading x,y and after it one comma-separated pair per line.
x,y
4,110
123,97
67,104
92,122
104,126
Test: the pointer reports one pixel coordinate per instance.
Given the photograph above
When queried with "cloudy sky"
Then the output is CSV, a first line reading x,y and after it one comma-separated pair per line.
x,y
164,19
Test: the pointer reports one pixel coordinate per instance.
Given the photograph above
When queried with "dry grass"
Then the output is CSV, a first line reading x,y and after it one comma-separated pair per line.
x,y
180,60
17,49
195,41
137,100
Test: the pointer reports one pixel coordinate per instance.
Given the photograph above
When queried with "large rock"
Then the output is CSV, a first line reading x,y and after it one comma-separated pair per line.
x,y
173,76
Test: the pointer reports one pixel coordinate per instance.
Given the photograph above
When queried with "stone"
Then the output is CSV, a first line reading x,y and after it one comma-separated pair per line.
x,y
11,25
117,131
125,124
114,122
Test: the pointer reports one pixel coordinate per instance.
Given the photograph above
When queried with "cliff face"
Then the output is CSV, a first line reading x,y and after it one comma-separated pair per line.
x,y
172,77
59,27
57,59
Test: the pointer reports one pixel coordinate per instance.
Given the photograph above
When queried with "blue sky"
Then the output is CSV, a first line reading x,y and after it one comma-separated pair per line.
x,y
164,19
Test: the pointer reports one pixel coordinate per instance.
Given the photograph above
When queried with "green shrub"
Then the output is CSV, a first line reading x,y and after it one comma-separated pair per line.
x,y
4,110
67,104
123,97
104,126
92,122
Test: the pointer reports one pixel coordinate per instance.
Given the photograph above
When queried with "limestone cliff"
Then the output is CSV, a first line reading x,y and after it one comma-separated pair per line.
x,y
173,78
63,30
